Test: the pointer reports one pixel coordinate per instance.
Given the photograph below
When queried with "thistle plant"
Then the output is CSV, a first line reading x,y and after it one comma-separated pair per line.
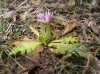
x,y
68,46
43,38
45,18
65,45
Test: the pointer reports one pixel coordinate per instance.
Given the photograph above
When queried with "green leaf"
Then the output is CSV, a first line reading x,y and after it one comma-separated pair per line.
x,y
42,39
64,45
33,30
62,48
82,51
24,47
66,40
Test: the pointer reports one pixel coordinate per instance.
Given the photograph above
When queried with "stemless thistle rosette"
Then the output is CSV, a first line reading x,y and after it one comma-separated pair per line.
x,y
45,17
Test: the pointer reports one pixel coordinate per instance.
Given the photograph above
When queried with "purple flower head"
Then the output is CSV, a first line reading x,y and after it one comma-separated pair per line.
x,y
45,17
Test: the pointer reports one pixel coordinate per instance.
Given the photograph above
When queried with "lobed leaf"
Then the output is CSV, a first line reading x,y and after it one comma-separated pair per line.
x,y
34,30
69,45
25,47
66,40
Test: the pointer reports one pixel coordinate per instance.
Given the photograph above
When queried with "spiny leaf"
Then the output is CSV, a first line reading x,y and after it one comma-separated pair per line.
x,y
64,45
70,40
24,47
66,40
62,48
33,30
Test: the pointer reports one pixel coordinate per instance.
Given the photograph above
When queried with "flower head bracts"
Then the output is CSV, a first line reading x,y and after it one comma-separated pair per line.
x,y
45,17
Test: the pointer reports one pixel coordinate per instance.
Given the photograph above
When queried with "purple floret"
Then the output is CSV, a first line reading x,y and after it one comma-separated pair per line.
x,y
45,17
